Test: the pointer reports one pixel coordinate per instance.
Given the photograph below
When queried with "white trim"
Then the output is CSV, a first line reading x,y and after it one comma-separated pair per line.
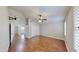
x,y
67,46
54,37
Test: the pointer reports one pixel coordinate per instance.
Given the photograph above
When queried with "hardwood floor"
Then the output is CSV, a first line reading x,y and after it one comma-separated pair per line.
x,y
37,44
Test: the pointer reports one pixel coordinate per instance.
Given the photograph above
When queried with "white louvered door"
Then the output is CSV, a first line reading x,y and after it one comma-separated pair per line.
x,y
76,28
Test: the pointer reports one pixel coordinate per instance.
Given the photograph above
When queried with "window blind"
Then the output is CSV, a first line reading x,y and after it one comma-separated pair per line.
x,y
76,28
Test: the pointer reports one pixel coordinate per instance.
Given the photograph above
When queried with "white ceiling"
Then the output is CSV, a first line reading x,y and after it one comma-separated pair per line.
x,y
49,12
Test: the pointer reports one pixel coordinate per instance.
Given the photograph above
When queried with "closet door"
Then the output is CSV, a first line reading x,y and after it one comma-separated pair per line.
x,y
76,28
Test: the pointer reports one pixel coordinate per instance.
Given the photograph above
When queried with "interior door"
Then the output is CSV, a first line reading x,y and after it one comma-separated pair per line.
x,y
9,35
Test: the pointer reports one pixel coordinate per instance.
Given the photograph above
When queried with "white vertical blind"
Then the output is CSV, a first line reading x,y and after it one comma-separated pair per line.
x,y
76,28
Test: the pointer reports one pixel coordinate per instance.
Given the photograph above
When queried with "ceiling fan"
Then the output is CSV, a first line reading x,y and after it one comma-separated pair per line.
x,y
41,19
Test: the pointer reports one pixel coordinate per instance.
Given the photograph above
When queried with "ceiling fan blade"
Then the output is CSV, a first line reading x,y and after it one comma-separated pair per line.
x,y
44,19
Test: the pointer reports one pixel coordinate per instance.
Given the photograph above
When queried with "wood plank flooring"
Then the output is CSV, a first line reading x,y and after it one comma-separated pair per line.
x,y
37,44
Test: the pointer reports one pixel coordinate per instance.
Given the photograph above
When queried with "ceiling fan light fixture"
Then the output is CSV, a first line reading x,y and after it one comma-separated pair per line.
x,y
39,20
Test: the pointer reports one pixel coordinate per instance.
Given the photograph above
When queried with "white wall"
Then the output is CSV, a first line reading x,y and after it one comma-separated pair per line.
x,y
34,29
4,29
69,30
53,28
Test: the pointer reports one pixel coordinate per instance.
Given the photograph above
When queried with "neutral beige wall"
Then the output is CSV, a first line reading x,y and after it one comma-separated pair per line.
x,y
69,30
4,29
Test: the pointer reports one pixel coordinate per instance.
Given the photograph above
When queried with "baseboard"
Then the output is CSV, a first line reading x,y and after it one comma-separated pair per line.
x,y
29,37
66,46
54,37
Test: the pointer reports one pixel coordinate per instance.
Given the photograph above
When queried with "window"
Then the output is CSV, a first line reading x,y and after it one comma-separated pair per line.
x,y
76,28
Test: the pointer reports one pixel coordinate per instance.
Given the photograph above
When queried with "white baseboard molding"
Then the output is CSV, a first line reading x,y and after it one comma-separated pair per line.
x,y
67,46
47,36
32,36
54,37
